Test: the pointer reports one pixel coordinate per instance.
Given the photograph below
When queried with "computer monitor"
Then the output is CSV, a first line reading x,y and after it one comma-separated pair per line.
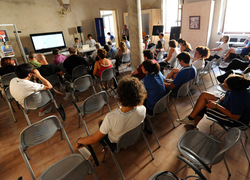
x,y
45,42
157,30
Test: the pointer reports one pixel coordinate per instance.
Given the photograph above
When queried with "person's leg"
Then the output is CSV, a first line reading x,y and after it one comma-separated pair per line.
x,y
237,64
230,51
172,73
222,77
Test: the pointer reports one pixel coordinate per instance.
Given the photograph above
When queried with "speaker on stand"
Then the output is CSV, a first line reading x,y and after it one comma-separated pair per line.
x,y
79,30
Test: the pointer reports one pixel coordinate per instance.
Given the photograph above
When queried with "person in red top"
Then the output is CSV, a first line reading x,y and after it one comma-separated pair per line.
x,y
148,55
102,64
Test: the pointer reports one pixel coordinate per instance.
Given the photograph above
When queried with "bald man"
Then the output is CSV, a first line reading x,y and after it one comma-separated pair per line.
x,y
73,61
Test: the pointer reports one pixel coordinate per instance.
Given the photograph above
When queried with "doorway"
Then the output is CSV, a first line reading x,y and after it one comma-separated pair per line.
x,y
110,24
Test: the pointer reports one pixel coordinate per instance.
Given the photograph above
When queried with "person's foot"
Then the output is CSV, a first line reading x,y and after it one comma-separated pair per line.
x,y
46,111
186,120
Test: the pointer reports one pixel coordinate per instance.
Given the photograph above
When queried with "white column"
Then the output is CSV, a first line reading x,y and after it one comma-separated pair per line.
x,y
135,32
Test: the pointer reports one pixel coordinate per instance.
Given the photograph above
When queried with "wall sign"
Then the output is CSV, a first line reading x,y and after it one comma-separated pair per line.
x,y
194,22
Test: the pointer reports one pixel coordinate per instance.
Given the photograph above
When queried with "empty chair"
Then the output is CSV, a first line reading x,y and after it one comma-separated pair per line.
x,y
126,58
79,71
39,100
160,107
184,90
91,105
126,140
73,166
160,55
210,150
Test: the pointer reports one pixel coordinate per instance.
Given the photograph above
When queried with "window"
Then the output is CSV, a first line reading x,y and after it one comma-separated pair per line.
x,y
236,17
172,14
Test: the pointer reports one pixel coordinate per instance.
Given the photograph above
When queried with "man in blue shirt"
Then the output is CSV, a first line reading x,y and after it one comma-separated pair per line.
x,y
124,39
111,37
187,73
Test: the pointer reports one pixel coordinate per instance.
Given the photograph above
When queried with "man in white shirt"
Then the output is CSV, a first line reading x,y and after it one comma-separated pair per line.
x,y
161,37
91,42
21,86
221,49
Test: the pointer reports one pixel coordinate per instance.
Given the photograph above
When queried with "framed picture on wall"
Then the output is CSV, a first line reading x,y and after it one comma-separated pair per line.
x,y
194,22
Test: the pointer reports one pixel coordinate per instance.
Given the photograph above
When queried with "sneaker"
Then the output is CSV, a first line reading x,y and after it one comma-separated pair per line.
x,y
186,121
46,111
67,96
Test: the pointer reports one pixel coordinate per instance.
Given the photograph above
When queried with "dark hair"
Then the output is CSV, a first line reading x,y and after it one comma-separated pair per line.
x,y
180,40
72,50
6,61
148,53
107,47
147,36
124,38
109,42
227,38
97,45
89,35
151,67
108,33
203,51
56,51
101,53
76,38
173,43
237,83
130,91
159,45
161,34
184,56
32,55
23,70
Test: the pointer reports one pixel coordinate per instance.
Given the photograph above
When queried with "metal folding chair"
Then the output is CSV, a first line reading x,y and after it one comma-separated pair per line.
x,y
79,71
126,58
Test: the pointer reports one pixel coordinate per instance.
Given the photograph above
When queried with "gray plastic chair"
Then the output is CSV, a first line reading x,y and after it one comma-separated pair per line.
x,y
91,105
126,140
126,58
210,150
5,82
37,101
79,71
184,90
167,175
160,107
206,70
82,84
54,80
243,127
73,166
197,79
160,55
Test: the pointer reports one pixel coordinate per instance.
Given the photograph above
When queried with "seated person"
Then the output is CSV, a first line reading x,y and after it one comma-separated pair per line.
x,y
131,114
33,61
187,73
154,84
185,46
73,61
21,86
77,44
94,54
124,39
59,58
158,49
91,42
146,41
237,64
201,52
121,51
111,37
148,55
173,52
234,105
221,49
161,37
7,66
232,52
101,64
113,51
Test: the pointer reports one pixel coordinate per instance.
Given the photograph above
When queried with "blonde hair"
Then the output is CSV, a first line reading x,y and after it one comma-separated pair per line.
x,y
123,46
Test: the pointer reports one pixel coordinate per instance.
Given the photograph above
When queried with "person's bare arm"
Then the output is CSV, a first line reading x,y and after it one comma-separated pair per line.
x,y
170,54
92,139
45,82
169,85
216,49
95,69
135,72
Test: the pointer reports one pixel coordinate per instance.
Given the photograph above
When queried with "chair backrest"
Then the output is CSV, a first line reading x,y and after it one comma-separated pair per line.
x,y
160,55
8,94
108,74
126,57
197,77
113,54
5,80
79,71
208,67
129,138
53,79
82,83
174,63
161,104
94,103
61,67
184,89
38,100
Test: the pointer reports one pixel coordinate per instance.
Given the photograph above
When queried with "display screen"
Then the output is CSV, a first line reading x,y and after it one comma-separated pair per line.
x,y
45,42
157,30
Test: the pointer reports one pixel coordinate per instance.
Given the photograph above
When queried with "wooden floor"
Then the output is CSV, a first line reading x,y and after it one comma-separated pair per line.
x,y
135,161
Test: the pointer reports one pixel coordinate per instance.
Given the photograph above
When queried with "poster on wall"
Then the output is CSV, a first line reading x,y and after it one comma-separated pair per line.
x,y
7,50
3,36
100,30
194,22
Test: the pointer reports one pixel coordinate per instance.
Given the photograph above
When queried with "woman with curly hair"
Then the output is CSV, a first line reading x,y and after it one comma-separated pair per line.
x,y
130,96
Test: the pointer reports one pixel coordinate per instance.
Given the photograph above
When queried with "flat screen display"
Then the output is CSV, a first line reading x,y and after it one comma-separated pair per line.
x,y
44,42
157,30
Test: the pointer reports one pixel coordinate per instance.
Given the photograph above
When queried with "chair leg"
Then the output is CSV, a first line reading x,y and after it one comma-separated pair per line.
x,y
215,76
204,84
245,134
229,174
170,117
245,150
85,126
143,135
198,87
191,99
27,118
211,78
11,110
176,109
153,130
105,152
117,164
